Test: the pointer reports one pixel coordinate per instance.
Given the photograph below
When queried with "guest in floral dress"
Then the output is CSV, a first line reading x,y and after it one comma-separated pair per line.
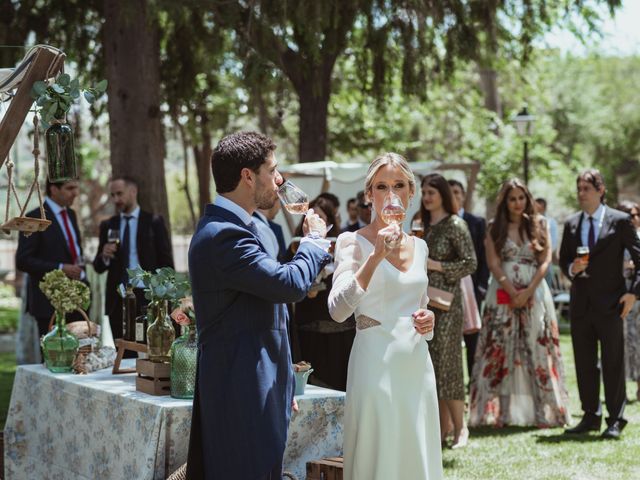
x,y
451,257
518,377
632,321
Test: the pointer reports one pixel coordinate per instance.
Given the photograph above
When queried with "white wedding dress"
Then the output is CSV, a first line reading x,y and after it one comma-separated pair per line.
x,y
391,424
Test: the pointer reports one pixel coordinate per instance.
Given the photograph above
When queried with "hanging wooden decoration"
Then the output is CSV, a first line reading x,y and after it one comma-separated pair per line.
x,y
21,223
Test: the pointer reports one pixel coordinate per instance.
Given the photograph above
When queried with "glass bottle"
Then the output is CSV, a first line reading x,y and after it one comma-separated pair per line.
x,y
129,309
61,155
59,347
184,356
141,328
160,334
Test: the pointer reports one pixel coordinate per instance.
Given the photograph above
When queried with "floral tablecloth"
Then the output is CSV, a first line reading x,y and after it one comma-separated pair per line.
x,y
315,430
64,426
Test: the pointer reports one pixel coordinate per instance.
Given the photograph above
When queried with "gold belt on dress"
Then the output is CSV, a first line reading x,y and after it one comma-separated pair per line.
x,y
363,322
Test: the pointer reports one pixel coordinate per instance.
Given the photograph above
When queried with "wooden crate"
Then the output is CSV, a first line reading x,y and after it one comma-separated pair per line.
x,y
325,469
153,378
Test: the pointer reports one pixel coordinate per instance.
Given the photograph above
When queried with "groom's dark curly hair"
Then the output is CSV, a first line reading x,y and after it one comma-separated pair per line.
x,y
235,152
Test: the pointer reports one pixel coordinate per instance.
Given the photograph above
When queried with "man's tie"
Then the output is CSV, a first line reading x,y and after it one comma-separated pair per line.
x,y
591,239
72,244
254,228
124,249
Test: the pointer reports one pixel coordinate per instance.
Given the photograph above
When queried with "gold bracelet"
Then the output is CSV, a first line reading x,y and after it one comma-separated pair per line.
x,y
502,279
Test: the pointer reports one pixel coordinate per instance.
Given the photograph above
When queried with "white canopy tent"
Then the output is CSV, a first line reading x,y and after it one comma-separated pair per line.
x,y
345,180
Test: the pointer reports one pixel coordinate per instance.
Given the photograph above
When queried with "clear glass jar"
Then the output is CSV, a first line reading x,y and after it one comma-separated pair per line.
x,y
160,334
61,155
184,357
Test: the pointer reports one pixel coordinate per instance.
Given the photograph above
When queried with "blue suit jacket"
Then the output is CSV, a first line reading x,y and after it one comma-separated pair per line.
x,y
245,382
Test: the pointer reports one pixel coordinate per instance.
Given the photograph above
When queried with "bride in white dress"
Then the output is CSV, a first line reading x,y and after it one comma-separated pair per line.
x,y
391,428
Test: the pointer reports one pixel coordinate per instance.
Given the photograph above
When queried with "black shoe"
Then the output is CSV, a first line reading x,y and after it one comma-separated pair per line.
x,y
614,430
589,423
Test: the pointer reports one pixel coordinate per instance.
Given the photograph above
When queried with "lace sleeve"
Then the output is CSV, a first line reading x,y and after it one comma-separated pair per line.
x,y
345,293
424,299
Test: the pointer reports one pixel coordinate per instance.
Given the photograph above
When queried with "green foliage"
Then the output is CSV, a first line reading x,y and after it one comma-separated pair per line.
x,y
54,100
66,295
163,284
9,318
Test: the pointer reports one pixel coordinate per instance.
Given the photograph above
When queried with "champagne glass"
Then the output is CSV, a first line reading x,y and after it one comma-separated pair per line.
x,y
583,253
113,236
294,200
393,213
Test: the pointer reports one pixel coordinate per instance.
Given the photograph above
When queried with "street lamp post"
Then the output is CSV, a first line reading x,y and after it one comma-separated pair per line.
x,y
524,125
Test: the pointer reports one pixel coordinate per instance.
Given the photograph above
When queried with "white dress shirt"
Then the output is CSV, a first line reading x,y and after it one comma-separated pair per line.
x,y
57,211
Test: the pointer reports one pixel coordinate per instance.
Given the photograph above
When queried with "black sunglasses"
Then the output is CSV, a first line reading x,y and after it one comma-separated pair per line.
x,y
364,205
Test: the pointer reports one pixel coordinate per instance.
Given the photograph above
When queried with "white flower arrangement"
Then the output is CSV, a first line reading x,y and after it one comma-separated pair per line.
x,y
65,295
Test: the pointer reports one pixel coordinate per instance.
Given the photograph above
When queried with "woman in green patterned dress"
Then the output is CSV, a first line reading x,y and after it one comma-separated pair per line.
x,y
451,257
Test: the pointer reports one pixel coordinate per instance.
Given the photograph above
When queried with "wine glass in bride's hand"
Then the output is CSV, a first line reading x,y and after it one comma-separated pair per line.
x,y
393,213
293,199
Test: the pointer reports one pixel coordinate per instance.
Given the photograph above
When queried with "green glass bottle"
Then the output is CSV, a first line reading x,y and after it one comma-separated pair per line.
x,y
184,356
160,334
59,347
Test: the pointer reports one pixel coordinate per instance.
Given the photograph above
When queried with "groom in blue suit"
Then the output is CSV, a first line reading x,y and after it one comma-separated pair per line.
x,y
245,384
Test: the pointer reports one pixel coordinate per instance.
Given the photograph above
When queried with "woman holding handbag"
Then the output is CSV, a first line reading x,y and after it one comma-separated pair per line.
x,y
518,377
451,257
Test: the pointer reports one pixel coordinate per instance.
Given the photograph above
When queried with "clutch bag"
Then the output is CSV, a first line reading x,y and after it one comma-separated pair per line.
x,y
440,299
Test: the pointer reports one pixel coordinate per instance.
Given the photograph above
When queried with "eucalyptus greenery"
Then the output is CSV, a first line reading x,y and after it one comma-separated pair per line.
x,y
163,284
65,295
54,100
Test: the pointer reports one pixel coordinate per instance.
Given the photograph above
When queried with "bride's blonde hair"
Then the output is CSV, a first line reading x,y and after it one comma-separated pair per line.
x,y
389,158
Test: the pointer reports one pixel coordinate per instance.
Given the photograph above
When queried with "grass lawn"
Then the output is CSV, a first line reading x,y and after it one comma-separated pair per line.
x,y
516,452
510,453
7,371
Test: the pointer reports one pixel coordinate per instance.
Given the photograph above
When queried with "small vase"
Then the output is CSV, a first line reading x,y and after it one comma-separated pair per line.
x,y
160,334
60,347
184,356
61,155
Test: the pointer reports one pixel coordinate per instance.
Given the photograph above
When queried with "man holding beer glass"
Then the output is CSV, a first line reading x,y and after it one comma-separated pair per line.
x,y
592,249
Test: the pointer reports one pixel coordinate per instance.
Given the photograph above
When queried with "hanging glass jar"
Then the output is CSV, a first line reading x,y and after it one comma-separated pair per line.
x,y
59,347
160,334
61,155
184,356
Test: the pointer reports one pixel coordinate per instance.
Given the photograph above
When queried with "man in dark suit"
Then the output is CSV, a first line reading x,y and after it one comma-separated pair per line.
x,y
599,301
244,387
57,247
144,241
364,213
477,228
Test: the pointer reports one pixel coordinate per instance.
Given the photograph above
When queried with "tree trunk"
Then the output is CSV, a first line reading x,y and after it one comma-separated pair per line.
x,y
489,86
132,52
202,157
314,106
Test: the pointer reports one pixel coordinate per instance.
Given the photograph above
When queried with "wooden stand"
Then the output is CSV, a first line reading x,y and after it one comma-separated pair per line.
x,y
325,469
121,346
153,378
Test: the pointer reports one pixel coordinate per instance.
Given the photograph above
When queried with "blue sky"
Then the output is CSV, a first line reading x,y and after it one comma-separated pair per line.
x,y
621,34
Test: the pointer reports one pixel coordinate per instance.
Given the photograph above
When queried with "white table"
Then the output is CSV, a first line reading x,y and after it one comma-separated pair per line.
x,y
65,426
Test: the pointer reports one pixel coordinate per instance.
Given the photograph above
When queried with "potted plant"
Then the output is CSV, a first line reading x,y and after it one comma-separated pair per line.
x,y
60,346
162,286
53,101
184,351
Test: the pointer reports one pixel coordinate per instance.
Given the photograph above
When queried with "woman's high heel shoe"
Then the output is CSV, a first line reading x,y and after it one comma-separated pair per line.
x,y
461,439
